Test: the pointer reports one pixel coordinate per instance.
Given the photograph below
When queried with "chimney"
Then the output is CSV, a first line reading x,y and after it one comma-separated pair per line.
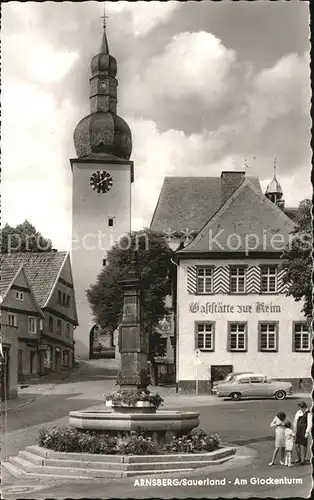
x,y
230,181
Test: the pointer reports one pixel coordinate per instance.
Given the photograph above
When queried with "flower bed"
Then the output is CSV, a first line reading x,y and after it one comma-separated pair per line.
x,y
75,441
131,398
135,443
197,441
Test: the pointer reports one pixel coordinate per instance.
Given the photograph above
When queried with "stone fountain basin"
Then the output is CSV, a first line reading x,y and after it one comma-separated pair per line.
x,y
106,420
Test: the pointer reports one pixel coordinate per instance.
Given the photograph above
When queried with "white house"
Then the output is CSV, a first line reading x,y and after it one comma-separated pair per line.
x,y
231,303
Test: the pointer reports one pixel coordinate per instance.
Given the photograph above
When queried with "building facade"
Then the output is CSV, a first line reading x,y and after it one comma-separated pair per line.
x,y
232,312
21,317
8,361
60,322
38,304
102,177
235,315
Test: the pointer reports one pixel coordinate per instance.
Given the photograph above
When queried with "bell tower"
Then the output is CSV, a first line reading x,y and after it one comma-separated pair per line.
x,y
102,177
274,191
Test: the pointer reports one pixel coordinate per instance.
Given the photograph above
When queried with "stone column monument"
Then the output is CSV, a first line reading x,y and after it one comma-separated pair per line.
x,y
133,340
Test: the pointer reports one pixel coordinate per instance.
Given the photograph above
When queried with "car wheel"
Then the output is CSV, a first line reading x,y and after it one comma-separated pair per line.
x,y
235,396
280,395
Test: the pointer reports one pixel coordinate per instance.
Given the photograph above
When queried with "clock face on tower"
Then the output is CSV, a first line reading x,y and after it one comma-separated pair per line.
x,y
101,181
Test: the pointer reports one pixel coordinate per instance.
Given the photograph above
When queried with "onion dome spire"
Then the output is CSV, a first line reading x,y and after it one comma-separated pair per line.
x,y
103,132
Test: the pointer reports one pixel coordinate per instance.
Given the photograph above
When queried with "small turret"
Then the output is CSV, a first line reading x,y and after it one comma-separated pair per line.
x,y
274,190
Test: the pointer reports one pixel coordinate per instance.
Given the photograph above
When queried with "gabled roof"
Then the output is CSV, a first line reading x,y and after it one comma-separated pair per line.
x,y
42,270
189,202
8,274
246,212
5,287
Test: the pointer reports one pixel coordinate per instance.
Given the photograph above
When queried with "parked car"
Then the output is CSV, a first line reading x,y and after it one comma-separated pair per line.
x,y
254,385
229,378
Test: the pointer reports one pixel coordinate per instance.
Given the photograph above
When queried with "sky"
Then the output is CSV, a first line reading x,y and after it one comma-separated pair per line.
x,y
204,86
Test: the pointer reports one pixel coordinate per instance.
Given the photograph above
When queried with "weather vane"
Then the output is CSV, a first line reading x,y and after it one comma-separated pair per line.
x,y
246,164
275,166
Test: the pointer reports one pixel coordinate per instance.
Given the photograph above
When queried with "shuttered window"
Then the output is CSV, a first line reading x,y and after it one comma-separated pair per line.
x,y
237,279
269,279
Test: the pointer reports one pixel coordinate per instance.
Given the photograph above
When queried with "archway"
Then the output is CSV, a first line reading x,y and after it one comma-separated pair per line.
x,y
101,343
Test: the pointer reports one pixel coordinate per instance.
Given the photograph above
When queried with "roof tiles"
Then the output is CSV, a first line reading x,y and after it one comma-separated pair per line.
x,y
41,269
248,219
189,202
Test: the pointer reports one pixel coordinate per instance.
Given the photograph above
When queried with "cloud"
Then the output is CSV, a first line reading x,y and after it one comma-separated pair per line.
x,y
197,101
36,173
40,62
158,154
192,65
144,16
47,65
280,90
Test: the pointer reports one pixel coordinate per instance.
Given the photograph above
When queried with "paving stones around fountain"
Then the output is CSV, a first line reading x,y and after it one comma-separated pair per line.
x,y
39,462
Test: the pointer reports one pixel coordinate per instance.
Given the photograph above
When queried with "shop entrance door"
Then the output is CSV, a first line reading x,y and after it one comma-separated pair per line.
x,y
219,372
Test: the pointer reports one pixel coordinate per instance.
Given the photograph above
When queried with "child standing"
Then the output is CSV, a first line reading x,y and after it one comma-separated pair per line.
x,y
289,442
279,423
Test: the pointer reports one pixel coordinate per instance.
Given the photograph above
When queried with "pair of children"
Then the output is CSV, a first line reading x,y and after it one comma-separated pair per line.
x,y
284,439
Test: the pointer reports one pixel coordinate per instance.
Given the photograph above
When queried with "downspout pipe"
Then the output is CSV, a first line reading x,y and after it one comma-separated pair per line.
x,y
175,320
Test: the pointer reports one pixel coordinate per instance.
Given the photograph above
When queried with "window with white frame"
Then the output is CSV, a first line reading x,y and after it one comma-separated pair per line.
x,y
67,333
268,340
237,337
12,320
301,337
204,280
269,279
32,324
205,336
237,279
19,296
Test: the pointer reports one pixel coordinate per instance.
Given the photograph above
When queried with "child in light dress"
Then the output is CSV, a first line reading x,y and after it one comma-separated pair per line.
x,y
289,442
279,424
